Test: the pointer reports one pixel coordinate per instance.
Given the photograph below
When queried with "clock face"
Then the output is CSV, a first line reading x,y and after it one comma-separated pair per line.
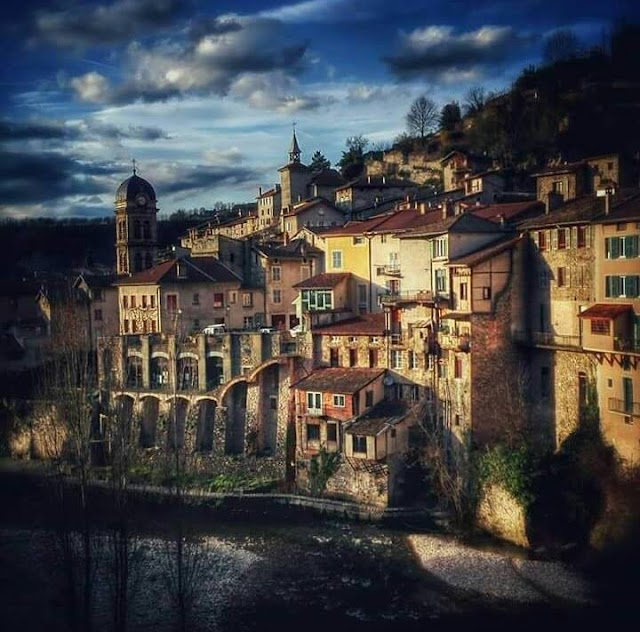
x,y
141,200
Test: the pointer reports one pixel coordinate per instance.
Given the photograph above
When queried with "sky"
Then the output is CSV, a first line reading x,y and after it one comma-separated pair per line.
x,y
204,95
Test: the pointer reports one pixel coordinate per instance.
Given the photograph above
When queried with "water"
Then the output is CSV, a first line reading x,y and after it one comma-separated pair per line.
x,y
251,574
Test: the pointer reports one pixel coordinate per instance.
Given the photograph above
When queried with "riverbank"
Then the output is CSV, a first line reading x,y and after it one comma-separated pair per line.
x,y
358,572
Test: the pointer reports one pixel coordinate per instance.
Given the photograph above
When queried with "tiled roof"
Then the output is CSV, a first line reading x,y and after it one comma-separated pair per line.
x,y
508,210
463,223
325,280
567,167
343,380
382,415
295,249
198,270
364,325
486,252
356,227
307,204
605,310
587,209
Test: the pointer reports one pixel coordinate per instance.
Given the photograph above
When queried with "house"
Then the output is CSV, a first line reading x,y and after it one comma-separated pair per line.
x,y
101,299
185,294
268,208
314,212
371,190
283,266
342,410
483,187
324,298
458,165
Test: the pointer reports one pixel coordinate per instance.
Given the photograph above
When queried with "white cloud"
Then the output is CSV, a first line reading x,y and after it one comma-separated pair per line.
x,y
91,87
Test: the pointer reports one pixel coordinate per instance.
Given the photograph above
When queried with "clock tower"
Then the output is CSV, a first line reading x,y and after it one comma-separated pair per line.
x,y
136,226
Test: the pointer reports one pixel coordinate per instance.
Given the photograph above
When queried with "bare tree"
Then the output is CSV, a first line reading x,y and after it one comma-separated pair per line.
x,y
560,46
474,101
423,117
68,395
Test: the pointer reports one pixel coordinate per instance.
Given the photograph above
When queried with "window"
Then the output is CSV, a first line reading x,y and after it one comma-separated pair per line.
x,y
457,368
336,259
338,401
359,444
439,248
125,325
486,293
97,315
561,278
464,291
600,326
125,302
396,359
247,299
622,286
98,295
411,360
542,240
152,301
276,273
362,295
277,296
368,399
582,237
358,241
144,300
441,280
133,302
218,299
373,358
544,382
172,302
314,403
316,300
196,299
353,357
557,186
313,433
334,357
622,247
332,433
562,238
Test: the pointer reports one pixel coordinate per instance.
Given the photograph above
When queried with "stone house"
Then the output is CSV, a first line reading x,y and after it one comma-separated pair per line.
x,y
284,265
483,187
324,298
315,212
101,298
268,207
188,294
369,190
456,166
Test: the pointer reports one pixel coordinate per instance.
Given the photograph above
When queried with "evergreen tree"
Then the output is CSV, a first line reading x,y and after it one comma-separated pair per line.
x,y
319,162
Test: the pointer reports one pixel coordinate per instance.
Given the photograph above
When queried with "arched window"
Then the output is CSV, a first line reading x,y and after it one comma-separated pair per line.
x,y
215,372
187,374
134,372
148,422
159,372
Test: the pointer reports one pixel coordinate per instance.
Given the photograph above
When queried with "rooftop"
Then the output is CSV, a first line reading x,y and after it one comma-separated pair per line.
x,y
382,415
326,280
364,325
342,380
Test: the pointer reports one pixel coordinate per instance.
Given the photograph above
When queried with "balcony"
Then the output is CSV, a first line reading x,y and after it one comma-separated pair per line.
x,y
547,339
624,407
630,345
314,412
459,342
395,298
391,269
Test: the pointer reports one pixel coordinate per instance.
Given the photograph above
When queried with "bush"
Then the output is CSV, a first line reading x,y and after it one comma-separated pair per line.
x,y
511,468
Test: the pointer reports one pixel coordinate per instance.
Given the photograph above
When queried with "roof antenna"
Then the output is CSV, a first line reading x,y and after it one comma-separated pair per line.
x,y
134,166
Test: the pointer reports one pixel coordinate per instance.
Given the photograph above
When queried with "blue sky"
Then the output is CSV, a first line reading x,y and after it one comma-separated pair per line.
x,y
203,95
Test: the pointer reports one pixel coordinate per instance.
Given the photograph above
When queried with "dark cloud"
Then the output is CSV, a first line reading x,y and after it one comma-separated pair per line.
x,y
47,177
83,26
206,177
136,132
225,51
20,130
435,51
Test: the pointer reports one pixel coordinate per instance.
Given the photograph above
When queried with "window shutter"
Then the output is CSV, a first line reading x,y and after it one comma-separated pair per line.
x,y
554,239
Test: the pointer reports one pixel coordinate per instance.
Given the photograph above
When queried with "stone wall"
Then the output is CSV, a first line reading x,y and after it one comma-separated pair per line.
x,y
499,514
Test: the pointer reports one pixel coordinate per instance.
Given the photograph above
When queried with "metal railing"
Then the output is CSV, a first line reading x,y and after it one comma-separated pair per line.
x,y
627,344
625,407
391,269
406,297
547,339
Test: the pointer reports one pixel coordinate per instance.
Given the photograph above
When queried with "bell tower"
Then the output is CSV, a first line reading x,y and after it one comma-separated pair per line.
x,y
136,225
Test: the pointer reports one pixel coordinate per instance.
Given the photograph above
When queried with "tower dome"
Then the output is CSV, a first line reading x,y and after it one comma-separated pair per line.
x,y
133,187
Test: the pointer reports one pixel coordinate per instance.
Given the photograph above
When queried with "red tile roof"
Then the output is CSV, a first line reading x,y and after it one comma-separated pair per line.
x,y
198,270
326,280
344,380
364,325
509,210
605,310
307,204
486,252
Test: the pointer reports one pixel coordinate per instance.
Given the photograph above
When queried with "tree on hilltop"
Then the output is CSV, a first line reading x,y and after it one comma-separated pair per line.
x,y
319,162
423,117
351,163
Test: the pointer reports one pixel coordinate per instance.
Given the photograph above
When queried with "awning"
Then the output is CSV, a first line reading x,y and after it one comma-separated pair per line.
x,y
605,310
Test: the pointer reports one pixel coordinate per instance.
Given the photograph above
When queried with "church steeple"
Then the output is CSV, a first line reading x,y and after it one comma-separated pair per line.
x,y
294,150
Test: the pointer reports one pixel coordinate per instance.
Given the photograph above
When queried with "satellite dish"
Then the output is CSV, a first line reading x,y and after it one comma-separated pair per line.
x,y
388,381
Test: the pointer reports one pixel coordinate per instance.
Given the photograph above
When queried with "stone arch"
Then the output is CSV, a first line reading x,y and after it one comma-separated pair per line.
x,y
205,424
178,410
235,401
148,422
159,370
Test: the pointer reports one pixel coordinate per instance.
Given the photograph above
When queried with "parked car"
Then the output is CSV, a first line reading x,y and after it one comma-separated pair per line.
x,y
266,330
211,330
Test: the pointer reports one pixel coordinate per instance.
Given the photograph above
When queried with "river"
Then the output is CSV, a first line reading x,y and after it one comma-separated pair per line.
x,y
256,573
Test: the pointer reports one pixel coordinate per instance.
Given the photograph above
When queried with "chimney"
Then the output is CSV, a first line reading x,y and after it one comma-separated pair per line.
x,y
285,238
502,222
444,210
423,208
260,191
